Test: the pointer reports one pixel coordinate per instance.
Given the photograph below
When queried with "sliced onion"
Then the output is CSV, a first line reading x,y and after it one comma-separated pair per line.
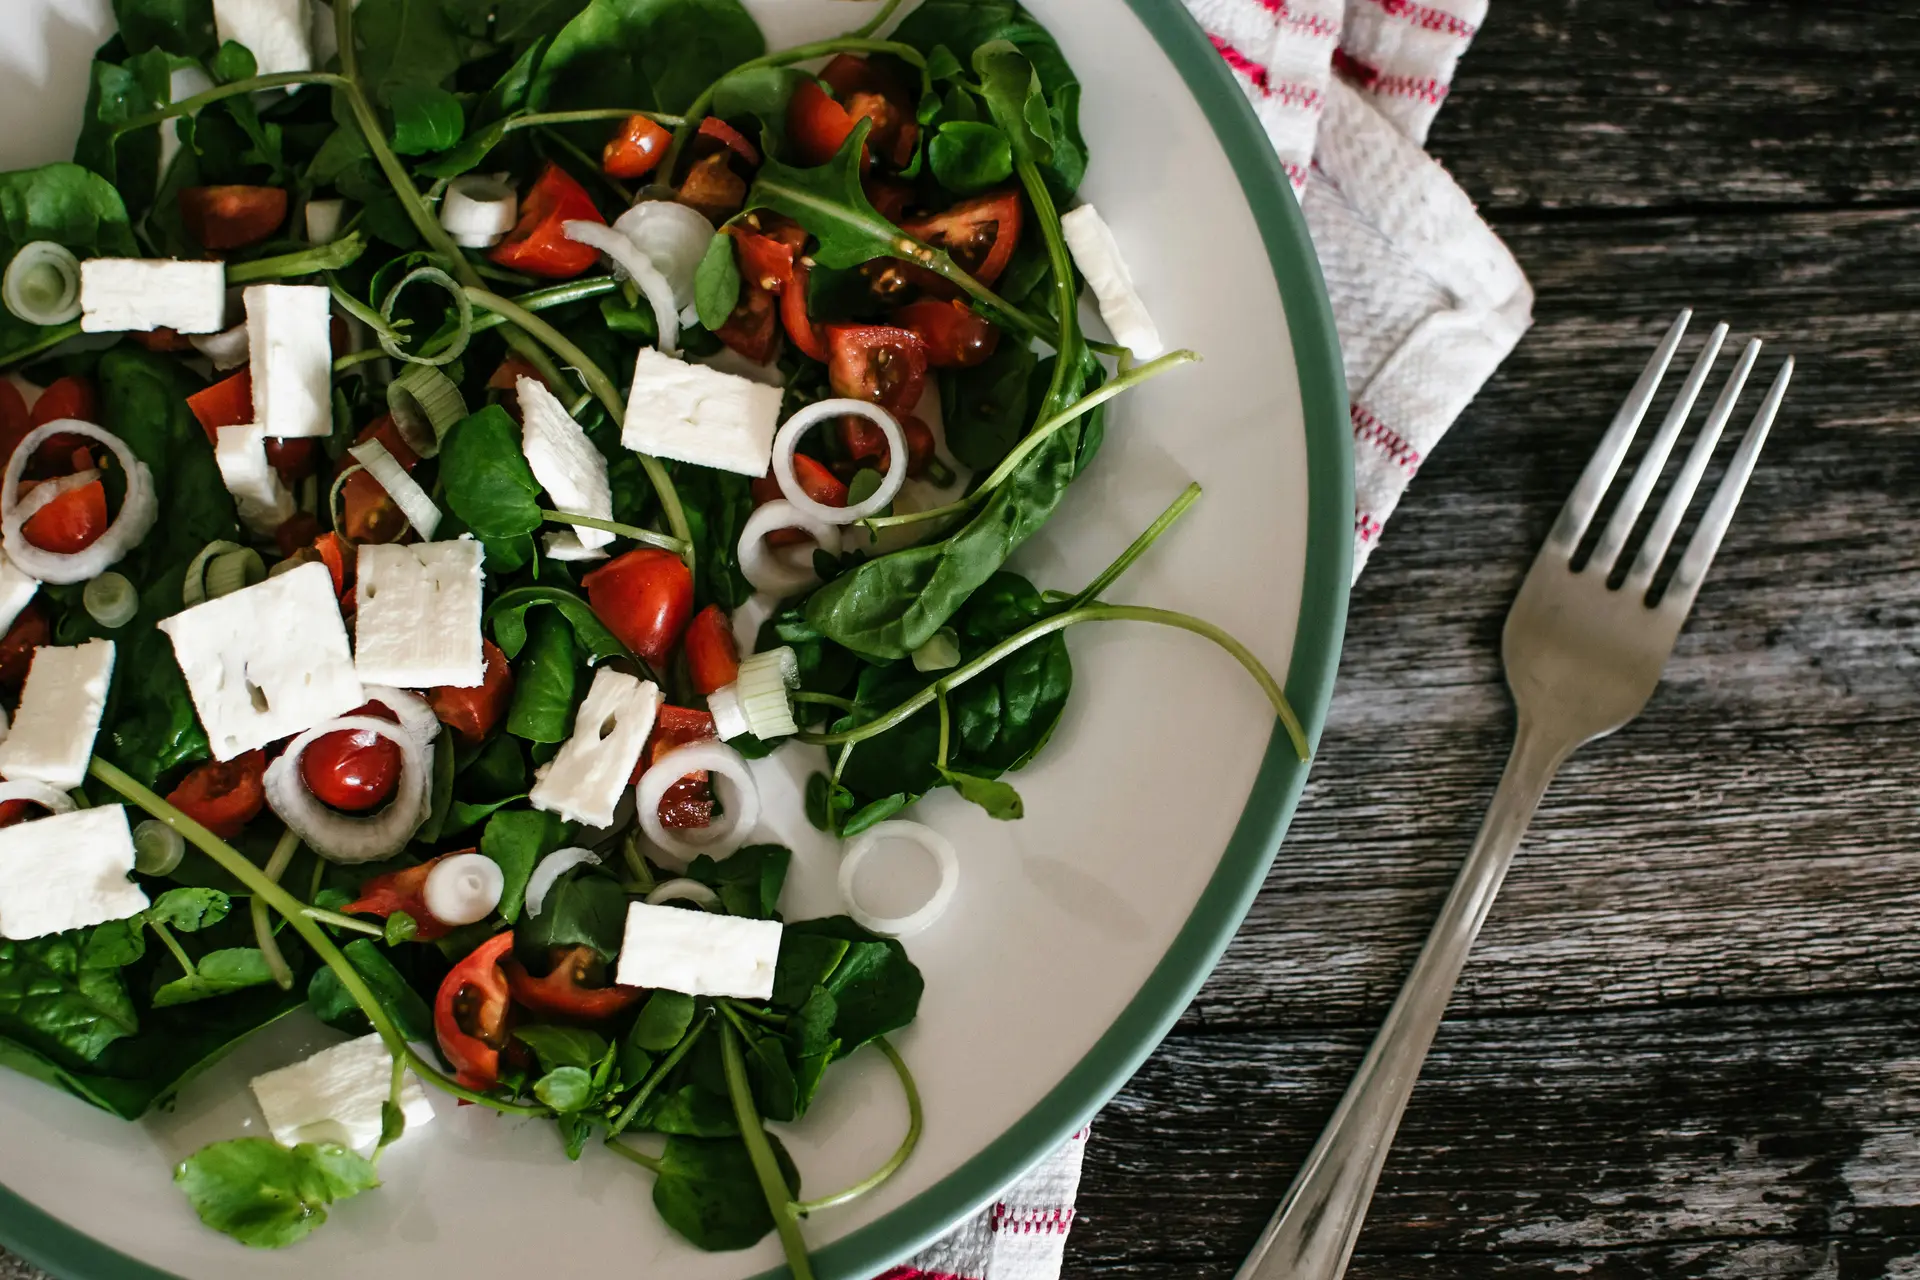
x,y
346,837
464,888
675,239
463,309
42,284
52,799
405,491
45,491
416,717
683,890
551,868
139,508
324,218
927,838
805,420
637,266
110,600
740,811
193,589
227,349
425,404
773,571
157,848
232,571
478,211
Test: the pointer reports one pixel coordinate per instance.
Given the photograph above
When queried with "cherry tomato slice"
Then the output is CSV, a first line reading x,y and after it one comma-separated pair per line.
x,y
715,130
473,712
713,660
979,234
868,91
232,217
817,126
294,459
816,482
227,403
810,338
472,1012
538,243
636,150
865,445
71,522
957,337
877,363
223,795
645,597
353,770
13,811
688,803
571,990
28,632
766,270
67,397
712,188
403,890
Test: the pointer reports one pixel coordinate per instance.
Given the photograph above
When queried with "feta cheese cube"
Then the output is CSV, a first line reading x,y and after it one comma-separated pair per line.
x,y
267,661
278,33
564,461
1097,254
67,871
16,588
290,354
262,501
698,953
584,781
122,294
418,624
52,736
691,413
335,1096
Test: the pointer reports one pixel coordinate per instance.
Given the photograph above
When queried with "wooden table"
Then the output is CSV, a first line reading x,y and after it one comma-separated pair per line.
x,y
1689,1041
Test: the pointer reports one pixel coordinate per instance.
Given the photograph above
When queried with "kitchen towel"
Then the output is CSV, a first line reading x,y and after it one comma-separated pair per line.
x,y
1427,300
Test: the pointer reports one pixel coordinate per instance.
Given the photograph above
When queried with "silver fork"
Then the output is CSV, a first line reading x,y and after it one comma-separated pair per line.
x,y
1582,658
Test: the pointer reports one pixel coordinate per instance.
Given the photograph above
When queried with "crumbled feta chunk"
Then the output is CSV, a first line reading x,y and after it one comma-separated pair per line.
x,y
584,781
564,461
67,871
278,33
290,354
698,953
262,501
267,661
118,295
691,413
418,619
59,714
566,545
335,1096
1097,254
16,588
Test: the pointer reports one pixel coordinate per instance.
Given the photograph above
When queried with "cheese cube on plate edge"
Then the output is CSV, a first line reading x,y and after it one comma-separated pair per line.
x,y
335,1096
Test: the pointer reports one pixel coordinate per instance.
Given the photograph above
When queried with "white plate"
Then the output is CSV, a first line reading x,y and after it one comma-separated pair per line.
x,y
1078,934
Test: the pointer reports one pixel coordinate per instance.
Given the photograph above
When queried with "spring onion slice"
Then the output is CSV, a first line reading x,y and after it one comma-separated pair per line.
x,y
234,570
425,404
194,589
684,890
406,493
110,600
804,421
640,269
944,857
389,340
773,572
761,695
42,284
740,803
478,211
157,847
551,868
349,838
139,509
464,888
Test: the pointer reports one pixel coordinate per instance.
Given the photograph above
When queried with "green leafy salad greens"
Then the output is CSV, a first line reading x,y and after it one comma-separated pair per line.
x,y
883,218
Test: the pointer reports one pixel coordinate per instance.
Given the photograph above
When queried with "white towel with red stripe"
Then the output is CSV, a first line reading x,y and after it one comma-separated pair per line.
x,y
1428,303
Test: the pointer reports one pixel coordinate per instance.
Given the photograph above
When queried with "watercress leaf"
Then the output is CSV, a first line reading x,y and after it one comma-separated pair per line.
x,y
517,839
63,995
575,1129
426,118
468,155
558,1047
486,478
233,61
658,54
1011,89
401,927
182,27
332,1004
189,909
690,1110
663,1022
544,681
969,157
986,408
747,880
708,1192
393,1123
403,43
217,973
717,504
269,1196
769,1073
507,616
876,988
716,284
806,961
875,811
819,786
581,910
998,798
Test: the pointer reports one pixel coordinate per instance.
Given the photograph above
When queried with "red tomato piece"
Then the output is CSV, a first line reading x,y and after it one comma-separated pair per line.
x,y
353,770
294,459
810,338
68,397
404,890
713,660
712,188
718,130
817,126
472,713
877,363
227,403
538,243
766,270
507,376
223,796
232,217
957,337
816,482
472,1012
575,989
71,522
688,803
28,632
332,549
866,446
645,597
294,536
12,811
636,150
979,234
867,91
889,196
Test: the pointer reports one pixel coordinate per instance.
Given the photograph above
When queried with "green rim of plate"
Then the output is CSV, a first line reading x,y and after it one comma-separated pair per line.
x,y
46,1242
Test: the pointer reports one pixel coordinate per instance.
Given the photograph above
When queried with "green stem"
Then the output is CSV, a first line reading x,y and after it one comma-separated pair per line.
x,y
331,256
946,729
339,921
1066,303
766,1166
46,342
1034,439
640,1158
824,700
589,164
486,270
294,910
536,119
558,295
1060,622
877,21
636,863
659,1073
1111,574
634,532
165,935
898,1158
254,84
277,865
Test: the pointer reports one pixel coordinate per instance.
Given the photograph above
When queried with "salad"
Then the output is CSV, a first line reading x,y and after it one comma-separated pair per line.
x,y
447,442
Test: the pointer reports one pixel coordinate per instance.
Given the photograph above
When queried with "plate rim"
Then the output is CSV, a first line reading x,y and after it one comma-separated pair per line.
x,y
66,1251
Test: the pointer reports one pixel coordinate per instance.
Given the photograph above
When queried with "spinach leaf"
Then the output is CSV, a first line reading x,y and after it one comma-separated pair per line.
x,y
747,880
565,1089
558,1047
487,481
986,408
968,156
115,94
662,1023
507,615
513,22
762,92
189,909
806,961
690,1110
217,973
68,205
426,119
768,1072
1004,716
333,1006
182,27
517,839
63,995
404,43
659,54
716,285
544,681
708,1192
581,910
269,1196
875,987
717,504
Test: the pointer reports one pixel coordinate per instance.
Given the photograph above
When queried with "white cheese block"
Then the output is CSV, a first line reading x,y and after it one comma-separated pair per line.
x,y
691,413
418,619
566,545
584,781
266,662
278,33
183,83
261,499
52,736
122,294
290,353
16,589
564,461
324,218
335,1096
698,953
67,871
1097,254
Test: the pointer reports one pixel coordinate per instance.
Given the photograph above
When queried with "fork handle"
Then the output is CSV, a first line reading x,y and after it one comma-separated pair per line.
x,y
1311,1236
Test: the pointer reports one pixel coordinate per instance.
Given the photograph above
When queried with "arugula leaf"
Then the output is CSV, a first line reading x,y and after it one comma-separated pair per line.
x,y
748,880
63,995
517,839
544,681
659,54
181,27
189,909
708,1192
333,1006
969,156
581,910
829,202
217,973
486,477
558,1047
426,118
716,284
507,615
269,1196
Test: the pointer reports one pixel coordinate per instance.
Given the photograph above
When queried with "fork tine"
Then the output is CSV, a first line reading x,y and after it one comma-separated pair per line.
x,y
1606,460
1713,525
1621,523
1654,549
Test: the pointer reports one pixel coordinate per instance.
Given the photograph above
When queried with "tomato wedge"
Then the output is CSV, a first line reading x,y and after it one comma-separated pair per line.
x,y
72,522
810,338
473,712
979,234
227,403
957,337
294,459
68,397
232,217
715,130
867,91
712,189
28,632
645,597
353,770
766,271
538,243
817,126
472,1012
688,803
636,150
403,890
877,363
816,482
223,795
572,990
713,660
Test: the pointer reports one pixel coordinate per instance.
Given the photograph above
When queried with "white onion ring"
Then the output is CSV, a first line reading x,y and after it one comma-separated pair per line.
x,y
683,890
349,838
805,420
740,811
52,799
416,717
138,509
639,267
548,873
765,569
464,888
43,493
405,491
932,909
675,239
227,349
